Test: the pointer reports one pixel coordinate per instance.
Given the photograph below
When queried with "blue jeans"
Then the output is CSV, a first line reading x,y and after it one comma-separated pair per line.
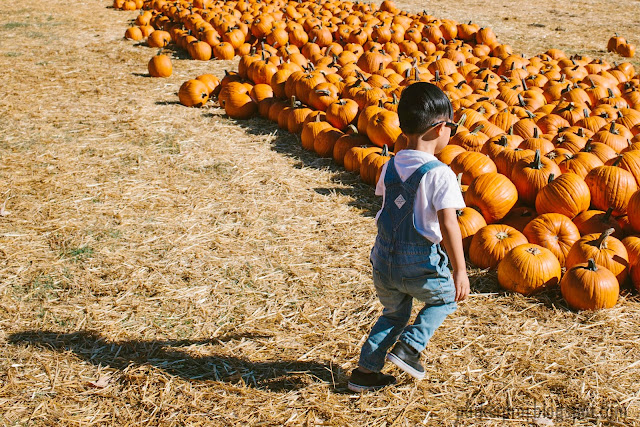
x,y
398,279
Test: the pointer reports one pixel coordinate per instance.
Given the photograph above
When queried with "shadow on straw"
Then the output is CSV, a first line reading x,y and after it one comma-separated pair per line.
x,y
289,144
283,375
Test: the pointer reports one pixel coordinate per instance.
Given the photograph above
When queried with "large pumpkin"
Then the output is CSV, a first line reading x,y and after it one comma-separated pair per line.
x,y
568,195
493,194
530,174
553,231
605,249
589,286
611,187
528,269
160,66
491,243
472,164
384,128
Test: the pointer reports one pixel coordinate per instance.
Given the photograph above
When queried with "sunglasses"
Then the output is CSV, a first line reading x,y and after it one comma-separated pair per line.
x,y
450,125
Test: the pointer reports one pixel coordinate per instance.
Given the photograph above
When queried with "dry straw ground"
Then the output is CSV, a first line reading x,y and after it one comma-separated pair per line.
x,y
161,265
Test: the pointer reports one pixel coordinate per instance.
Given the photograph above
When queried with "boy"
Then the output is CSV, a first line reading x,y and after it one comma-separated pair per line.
x,y
420,199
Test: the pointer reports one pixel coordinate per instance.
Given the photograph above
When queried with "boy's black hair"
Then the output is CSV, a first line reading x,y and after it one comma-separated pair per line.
x,y
421,105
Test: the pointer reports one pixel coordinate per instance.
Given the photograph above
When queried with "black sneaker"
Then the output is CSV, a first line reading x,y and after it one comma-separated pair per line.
x,y
407,358
360,381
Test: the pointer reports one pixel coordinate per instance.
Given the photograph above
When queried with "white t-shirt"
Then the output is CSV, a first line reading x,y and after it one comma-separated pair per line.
x,y
438,190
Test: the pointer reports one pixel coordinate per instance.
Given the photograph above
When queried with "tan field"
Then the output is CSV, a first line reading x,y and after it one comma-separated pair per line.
x,y
164,265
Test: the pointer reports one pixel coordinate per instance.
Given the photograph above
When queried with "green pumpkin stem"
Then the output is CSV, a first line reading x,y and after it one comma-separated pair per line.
x,y
537,161
551,177
477,129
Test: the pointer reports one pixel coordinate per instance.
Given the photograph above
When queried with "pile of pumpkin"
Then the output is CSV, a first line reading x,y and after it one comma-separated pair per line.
x,y
620,46
128,4
548,149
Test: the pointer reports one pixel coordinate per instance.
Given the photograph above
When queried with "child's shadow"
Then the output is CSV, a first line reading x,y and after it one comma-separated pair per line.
x,y
168,355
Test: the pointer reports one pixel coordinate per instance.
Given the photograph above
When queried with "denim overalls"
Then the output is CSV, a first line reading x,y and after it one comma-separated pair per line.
x,y
405,266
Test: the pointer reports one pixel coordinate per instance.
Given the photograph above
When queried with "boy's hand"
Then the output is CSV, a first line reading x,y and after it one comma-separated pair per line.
x,y
461,281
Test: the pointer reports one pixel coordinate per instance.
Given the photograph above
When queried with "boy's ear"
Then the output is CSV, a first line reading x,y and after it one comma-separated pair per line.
x,y
440,128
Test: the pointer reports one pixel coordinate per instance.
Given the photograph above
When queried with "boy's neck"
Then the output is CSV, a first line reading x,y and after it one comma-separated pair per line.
x,y
418,143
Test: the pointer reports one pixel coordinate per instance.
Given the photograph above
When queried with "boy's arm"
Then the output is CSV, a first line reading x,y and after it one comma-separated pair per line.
x,y
452,240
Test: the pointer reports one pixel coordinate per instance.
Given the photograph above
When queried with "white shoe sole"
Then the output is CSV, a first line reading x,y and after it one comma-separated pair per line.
x,y
406,368
360,388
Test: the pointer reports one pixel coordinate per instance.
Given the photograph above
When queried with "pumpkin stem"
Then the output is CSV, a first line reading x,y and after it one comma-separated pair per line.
x,y
353,129
551,178
459,178
537,161
533,250
535,132
385,150
477,129
462,119
616,162
591,265
601,241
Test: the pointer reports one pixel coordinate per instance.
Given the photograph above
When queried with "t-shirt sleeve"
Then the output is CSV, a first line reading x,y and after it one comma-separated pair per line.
x,y
380,184
446,192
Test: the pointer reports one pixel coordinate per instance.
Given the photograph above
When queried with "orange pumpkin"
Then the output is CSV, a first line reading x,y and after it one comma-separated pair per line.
x,y
605,249
193,93
589,286
553,231
490,244
528,269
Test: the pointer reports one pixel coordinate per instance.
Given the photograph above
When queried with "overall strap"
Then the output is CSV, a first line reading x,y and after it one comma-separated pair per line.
x,y
391,175
414,180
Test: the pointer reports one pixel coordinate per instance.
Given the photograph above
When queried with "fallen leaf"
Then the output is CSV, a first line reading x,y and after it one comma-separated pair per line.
x,y
101,383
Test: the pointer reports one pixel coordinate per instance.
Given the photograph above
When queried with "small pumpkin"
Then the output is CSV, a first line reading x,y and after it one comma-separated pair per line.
x,y
193,93
160,66
371,166
470,221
